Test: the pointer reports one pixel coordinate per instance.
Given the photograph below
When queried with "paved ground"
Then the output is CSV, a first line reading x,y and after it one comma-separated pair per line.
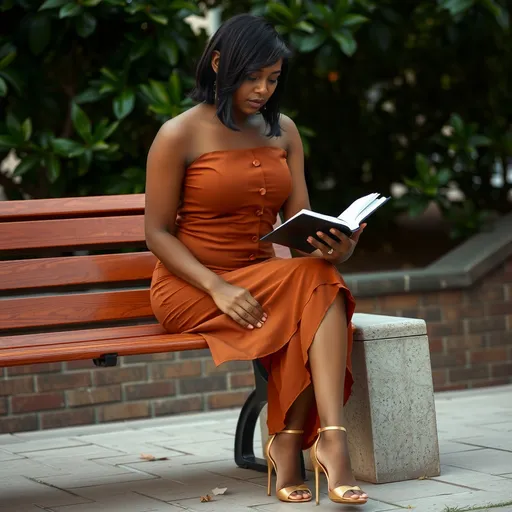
x,y
99,468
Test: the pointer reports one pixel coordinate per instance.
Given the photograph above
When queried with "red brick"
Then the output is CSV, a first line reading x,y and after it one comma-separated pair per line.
x,y
178,405
398,302
53,382
450,297
191,386
453,387
30,369
471,341
493,323
115,412
498,308
465,374
81,364
12,424
38,402
58,419
490,292
117,375
3,406
488,355
439,377
437,329
450,359
230,366
241,380
194,354
149,358
430,314
490,382
496,339
79,397
227,400
366,305
149,390
175,370
436,344
16,386
502,369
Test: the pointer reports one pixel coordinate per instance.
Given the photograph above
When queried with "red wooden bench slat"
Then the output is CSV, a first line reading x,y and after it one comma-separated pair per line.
x,y
69,309
72,207
93,349
75,233
76,270
76,336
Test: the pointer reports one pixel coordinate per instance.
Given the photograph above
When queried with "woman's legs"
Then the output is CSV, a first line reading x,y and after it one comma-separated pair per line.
x,y
286,448
327,358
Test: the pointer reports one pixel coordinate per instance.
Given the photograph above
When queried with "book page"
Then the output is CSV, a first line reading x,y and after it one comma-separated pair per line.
x,y
351,214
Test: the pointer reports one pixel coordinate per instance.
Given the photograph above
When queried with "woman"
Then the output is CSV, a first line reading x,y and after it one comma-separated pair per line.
x,y
217,176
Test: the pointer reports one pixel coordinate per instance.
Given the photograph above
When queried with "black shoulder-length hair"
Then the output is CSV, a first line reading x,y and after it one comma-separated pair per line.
x,y
246,43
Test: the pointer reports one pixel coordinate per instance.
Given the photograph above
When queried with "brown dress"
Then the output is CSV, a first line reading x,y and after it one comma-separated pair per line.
x,y
230,199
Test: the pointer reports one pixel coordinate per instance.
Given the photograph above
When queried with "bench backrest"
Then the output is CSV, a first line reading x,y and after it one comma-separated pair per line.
x,y
74,263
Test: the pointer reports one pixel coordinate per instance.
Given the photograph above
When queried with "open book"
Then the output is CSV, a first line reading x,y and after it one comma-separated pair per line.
x,y
295,231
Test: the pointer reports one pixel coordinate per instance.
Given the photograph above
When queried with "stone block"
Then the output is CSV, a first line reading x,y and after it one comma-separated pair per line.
x,y
390,416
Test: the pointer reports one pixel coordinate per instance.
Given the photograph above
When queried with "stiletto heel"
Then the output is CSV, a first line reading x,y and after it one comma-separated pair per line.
x,y
337,494
284,493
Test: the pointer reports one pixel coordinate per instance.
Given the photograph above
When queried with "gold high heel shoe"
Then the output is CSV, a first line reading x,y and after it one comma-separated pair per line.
x,y
284,493
336,495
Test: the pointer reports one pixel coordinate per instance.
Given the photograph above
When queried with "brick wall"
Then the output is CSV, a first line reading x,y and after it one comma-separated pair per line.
x,y
470,334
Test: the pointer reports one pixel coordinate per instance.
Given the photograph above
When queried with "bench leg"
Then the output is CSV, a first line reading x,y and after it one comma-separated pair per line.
x,y
244,438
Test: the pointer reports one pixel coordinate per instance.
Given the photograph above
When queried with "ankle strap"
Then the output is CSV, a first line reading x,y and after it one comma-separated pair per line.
x,y
291,432
331,428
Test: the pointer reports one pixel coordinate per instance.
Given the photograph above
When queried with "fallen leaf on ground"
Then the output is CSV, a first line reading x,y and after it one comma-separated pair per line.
x,y
151,458
206,498
219,491
423,478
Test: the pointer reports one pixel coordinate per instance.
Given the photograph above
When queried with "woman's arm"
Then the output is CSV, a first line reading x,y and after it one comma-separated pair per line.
x,y
342,246
164,177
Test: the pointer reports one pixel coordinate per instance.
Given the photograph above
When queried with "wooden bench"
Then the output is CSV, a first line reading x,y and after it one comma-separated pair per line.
x,y
74,284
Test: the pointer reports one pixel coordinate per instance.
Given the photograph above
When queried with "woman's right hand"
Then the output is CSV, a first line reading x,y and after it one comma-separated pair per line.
x,y
239,304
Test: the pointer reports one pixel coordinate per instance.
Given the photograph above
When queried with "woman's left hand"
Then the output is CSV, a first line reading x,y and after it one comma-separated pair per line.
x,y
338,249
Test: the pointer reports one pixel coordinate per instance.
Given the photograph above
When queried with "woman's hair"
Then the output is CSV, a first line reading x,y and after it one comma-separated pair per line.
x,y
246,44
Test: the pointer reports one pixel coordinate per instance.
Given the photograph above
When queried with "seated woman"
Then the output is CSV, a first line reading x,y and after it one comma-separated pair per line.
x,y
217,177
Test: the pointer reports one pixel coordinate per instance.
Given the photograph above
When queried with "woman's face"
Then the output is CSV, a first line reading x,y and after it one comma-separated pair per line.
x,y
257,89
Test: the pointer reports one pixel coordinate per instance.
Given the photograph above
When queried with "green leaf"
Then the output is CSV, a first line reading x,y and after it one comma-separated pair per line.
x,y
159,92
109,74
3,87
457,123
5,61
52,167
85,25
175,87
52,4
84,162
321,12
422,166
305,27
13,125
311,42
479,140
25,165
159,18
81,122
170,51
351,20
280,12
39,33
68,148
8,142
141,48
444,176
88,96
26,129
346,41
91,3
103,131
70,10
14,78
456,6
124,103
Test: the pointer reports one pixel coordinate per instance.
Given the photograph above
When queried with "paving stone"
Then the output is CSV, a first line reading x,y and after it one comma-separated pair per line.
x,y
328,506
466,477
29,468
497,441
43,445
493,462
